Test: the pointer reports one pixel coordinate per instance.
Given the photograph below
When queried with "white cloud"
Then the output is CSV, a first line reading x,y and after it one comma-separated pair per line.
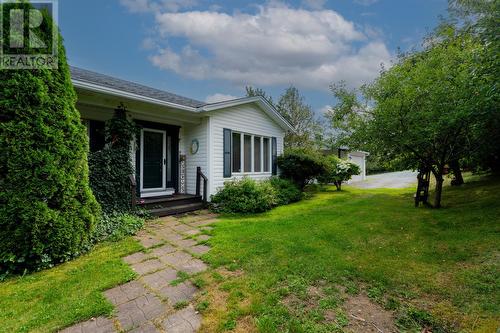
x,y
277,45
323,110
219,98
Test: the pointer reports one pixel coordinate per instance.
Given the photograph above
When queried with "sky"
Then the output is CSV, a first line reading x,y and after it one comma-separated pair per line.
x,y
211,50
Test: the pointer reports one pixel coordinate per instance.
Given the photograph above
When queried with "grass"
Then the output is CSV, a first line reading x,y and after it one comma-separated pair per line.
x,y
52,299
432,267
435,268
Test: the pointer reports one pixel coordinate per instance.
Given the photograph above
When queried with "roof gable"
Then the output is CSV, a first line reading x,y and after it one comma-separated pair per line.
x,y
260,101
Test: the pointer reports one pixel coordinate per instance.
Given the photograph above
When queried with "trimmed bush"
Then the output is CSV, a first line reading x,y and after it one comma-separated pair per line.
x,y
338,171
286,191
47,210
301,166
244,196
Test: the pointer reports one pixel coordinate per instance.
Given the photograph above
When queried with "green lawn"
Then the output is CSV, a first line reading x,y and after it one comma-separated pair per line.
x,y
52,299
431,267
442,261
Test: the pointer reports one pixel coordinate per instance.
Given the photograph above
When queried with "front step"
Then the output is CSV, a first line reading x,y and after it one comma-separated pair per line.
x,y
171,204
169,201
178,209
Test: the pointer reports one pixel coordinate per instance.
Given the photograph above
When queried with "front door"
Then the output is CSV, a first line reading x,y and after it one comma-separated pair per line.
x,y
155,163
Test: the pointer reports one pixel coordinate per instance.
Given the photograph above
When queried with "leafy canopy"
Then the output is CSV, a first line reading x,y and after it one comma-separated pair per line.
x,y
291,105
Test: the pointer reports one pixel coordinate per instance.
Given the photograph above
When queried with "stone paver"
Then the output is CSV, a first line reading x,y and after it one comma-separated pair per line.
x,y
124,293
138,311
202,238
169,235
148,266
148,240
147,327
143,304
159,279
193,266
135,258
183,321
192,232
95,325
184,243
184,291
176,259
162,250
199,249
182,228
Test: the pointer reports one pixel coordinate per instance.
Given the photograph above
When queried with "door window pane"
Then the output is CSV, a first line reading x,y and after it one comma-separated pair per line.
x,y
256,154
266,155
248,153
236,152
153,160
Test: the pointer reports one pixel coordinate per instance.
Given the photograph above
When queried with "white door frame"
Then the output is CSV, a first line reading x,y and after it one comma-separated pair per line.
x,y
163,190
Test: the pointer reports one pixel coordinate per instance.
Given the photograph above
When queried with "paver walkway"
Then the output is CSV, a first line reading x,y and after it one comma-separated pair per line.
x,y
147,304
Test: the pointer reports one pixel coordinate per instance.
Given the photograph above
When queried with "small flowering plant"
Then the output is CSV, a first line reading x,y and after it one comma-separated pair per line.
x,y
338,171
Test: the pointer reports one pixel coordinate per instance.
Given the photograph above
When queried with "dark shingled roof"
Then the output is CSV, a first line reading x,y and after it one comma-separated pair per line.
x,y
131,87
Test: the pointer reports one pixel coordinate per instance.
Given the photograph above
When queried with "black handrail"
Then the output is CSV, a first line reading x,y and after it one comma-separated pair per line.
x,y
199,176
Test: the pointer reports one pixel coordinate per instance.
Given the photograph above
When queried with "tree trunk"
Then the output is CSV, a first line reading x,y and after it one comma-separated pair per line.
x,y
338,185
457,173
439,190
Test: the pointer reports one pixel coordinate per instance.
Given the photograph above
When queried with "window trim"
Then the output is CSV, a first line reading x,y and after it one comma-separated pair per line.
x,y
252,157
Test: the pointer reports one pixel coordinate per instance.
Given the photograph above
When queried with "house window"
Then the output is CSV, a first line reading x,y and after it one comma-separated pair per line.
x,y
236,153
267,154
247,149
256,153
246,153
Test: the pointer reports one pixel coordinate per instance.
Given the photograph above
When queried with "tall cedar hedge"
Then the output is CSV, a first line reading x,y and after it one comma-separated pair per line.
x,y
47,210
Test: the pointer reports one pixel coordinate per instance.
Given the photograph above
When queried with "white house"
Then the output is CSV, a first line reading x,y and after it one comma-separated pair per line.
x,y
179,136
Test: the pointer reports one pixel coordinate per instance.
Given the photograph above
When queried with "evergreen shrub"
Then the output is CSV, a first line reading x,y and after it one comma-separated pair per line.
x,y
47,209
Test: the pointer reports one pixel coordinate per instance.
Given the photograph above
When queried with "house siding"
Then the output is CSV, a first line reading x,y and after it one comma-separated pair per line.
x,y
244,118
187,134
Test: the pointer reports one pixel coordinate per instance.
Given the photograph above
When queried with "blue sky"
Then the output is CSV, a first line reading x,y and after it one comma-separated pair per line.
x,y
209,50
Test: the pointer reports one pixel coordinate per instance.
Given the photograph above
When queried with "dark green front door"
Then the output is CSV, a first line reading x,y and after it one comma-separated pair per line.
x,y
154,159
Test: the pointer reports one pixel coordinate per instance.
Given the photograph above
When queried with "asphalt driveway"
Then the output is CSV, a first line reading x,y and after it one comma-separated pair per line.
x,y
398,179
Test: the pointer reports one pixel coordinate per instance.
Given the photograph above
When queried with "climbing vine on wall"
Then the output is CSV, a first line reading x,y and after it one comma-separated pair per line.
x,y
111,167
